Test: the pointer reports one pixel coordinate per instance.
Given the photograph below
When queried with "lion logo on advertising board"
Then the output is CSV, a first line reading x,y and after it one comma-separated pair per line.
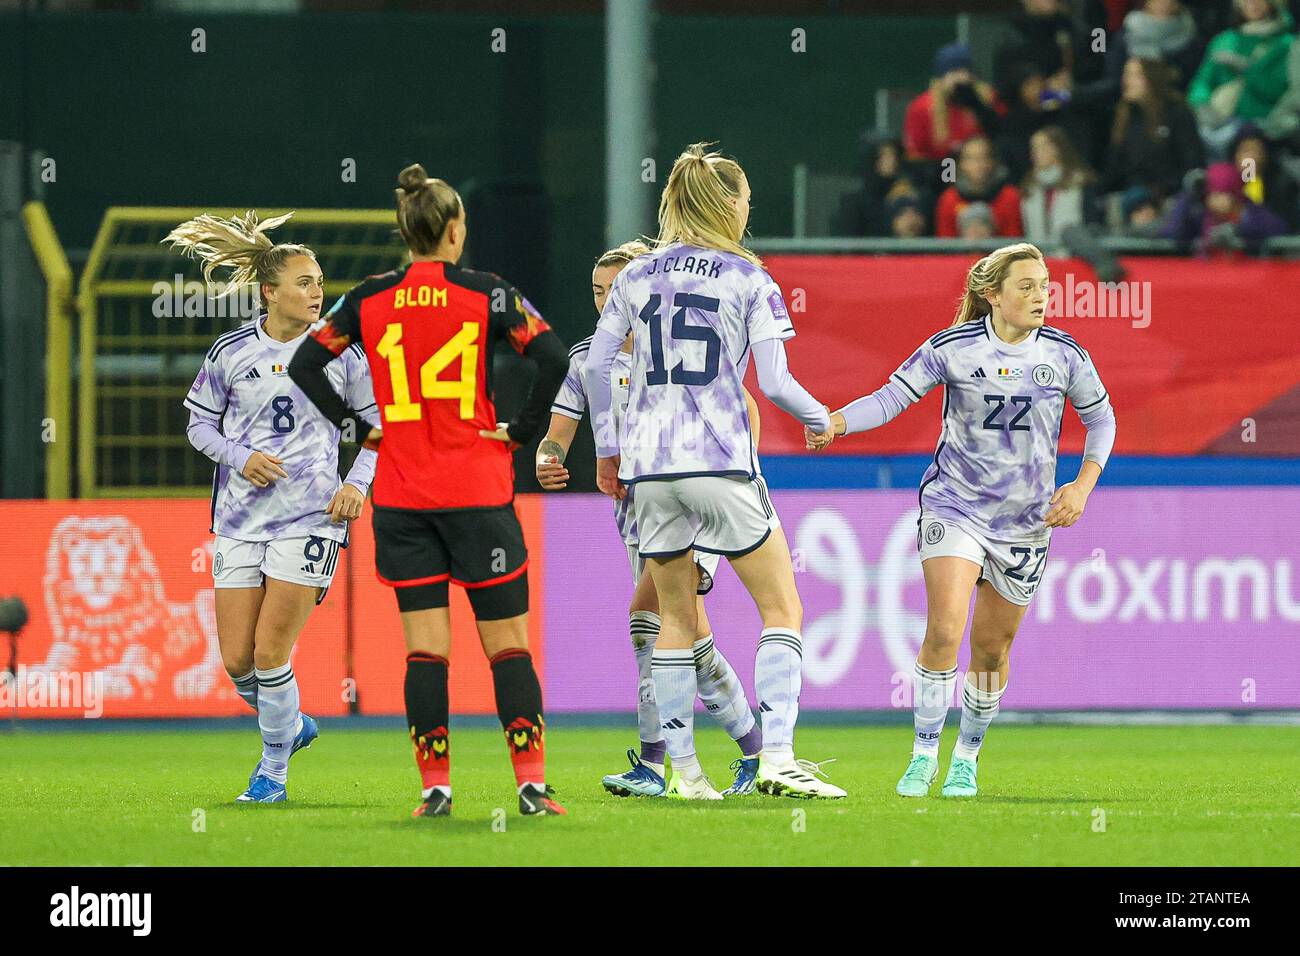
x,y
110,615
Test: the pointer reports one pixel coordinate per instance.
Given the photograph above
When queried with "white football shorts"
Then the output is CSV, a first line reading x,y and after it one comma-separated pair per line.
x,y
726,516
1013,568
308,560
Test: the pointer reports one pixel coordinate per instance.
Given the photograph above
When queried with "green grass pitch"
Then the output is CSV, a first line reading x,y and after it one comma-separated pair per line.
x,y
1185,796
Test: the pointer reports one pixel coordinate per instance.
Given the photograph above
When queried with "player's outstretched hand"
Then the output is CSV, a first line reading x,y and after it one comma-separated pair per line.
x,y
263,469
373,439
1067,506
501,434
607,478
346,503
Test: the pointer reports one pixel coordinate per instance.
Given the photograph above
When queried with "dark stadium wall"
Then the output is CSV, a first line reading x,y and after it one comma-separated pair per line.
x,y
266,116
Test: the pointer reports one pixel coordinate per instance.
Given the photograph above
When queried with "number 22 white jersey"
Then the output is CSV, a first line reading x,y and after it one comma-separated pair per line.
x,y
693,314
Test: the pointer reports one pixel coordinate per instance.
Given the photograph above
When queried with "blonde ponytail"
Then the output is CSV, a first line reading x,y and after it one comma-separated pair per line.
x,y
696,206
987,275
239,244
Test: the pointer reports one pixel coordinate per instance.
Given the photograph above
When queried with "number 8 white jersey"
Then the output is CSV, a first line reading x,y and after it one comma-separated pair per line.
x,y
244,387
694,315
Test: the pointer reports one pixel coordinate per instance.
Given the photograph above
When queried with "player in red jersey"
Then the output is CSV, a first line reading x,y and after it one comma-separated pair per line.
x,y
444,484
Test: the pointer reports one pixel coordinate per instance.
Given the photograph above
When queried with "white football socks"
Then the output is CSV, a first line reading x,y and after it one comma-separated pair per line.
x,y
278,717
644,627
931,695
675,690
778,678
721,691
979,705
246,687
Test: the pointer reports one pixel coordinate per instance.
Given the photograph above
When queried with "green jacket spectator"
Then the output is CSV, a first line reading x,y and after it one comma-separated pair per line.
x,y
1243,74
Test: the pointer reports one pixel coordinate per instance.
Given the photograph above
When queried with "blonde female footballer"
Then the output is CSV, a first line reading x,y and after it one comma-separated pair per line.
x,y
988,500
719,687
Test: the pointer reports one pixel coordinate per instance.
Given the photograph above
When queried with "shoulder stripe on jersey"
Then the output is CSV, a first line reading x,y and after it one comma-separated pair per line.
x,y
200,405
1057,337
584,344
965,328
1055,331
973,334
906,385
1084,408
356,347
228,338
579,350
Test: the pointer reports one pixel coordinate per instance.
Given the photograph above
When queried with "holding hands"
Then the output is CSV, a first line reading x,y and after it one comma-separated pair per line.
x,y
816,441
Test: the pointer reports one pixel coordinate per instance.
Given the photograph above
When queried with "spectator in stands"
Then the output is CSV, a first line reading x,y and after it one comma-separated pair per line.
x,y
1153,140
1044,33
1213,213
1264,181
975,221
1243,74
1080,64
906,214
978,180
1030,106
943,117
1282,124
1056,193
884,169
1141,213
1164,30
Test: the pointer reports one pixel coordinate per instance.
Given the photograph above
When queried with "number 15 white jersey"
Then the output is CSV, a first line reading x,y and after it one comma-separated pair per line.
x,y
694,315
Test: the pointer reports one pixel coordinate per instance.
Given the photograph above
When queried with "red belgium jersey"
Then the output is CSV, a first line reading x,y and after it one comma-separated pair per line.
x,y
429,330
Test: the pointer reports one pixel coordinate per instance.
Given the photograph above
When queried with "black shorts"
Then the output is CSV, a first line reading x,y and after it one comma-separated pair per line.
x,y
419,553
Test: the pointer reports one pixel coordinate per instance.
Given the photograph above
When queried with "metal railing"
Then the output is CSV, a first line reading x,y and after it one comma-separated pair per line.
x,y
59,312
135,364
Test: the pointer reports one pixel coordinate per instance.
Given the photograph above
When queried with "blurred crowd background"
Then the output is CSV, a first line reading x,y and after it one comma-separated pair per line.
x,y
1177,119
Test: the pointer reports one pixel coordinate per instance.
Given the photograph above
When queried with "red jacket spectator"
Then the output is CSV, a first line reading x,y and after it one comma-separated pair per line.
x,y
1006,212
922,140
939,120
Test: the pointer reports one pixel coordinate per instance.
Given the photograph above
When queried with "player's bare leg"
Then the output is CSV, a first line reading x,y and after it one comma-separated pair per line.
x,y
236,612
993,628
427,633
948,585
768,575
283,613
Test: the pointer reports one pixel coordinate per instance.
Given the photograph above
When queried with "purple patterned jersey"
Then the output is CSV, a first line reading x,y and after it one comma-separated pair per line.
x,y
571,402
694,315
244,386
995,466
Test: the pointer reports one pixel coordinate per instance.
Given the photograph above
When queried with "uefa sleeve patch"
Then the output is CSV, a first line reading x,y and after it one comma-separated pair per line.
x,y
777,305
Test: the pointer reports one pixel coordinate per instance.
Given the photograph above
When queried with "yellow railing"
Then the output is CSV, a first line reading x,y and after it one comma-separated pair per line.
x,y
58,347
137,443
